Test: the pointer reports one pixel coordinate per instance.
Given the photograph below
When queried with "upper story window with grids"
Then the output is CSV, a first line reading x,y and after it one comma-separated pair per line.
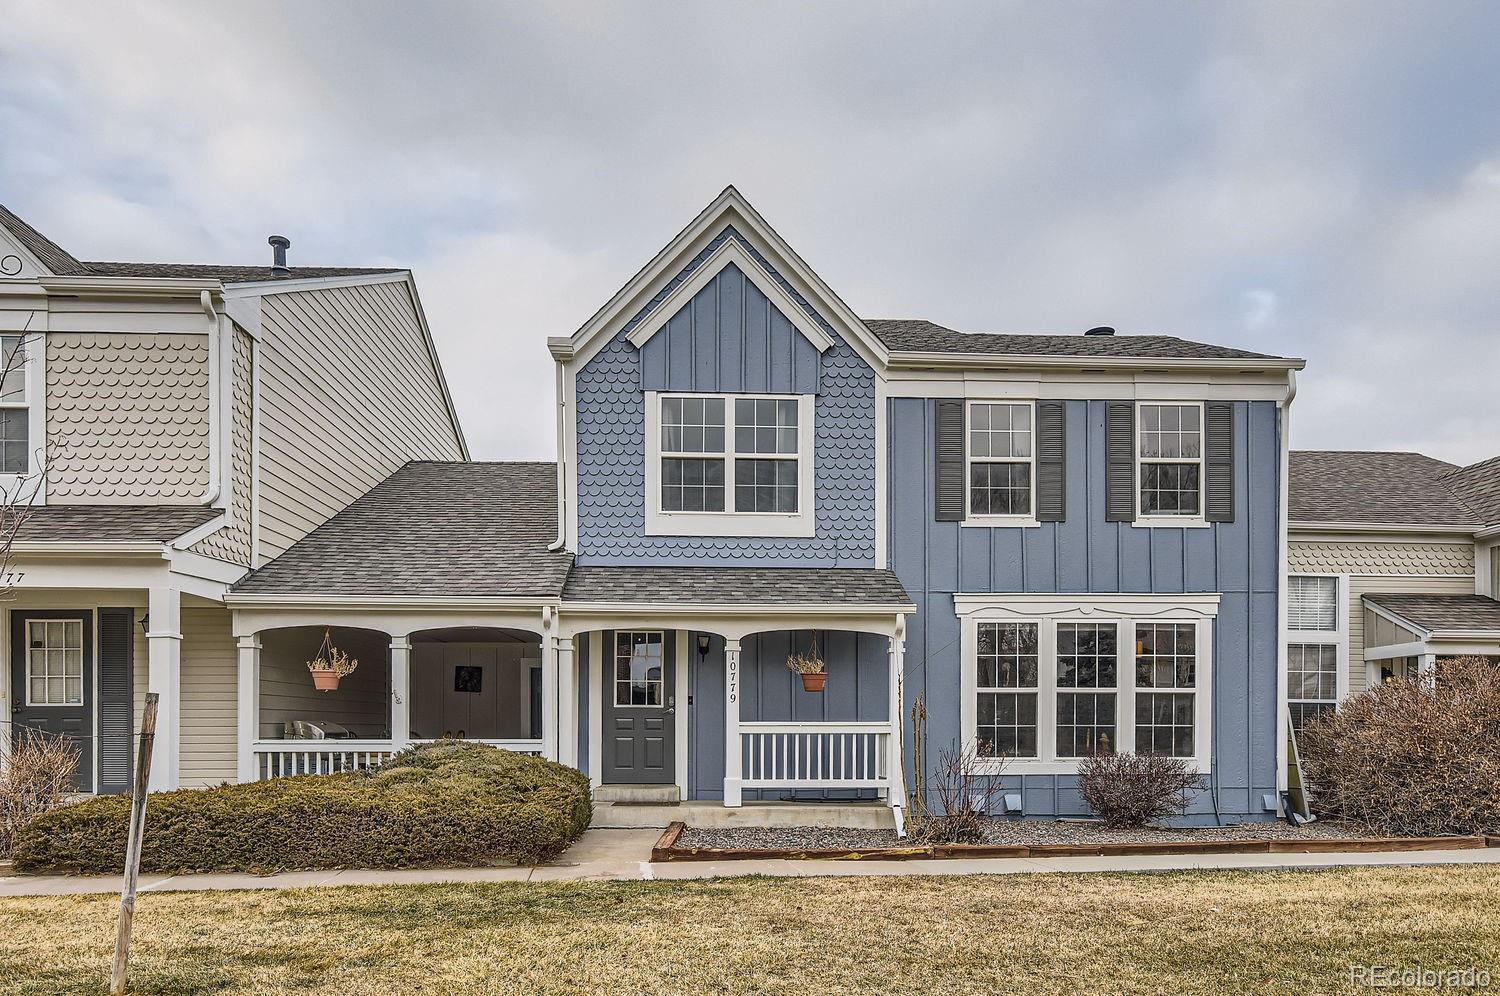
x,y
729,464
1170,460
15,405
1001,456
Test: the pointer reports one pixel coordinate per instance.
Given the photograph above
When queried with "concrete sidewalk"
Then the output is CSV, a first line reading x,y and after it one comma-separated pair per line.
x,y
620,855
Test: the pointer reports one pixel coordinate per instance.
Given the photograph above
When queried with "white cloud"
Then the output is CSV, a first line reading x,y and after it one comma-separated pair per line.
x,y
1314,180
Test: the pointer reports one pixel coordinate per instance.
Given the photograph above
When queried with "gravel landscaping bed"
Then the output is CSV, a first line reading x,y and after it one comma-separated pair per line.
x,y
1002,832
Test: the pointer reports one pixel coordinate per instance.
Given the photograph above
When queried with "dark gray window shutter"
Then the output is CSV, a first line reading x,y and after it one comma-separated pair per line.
x,y
116,698
1119,461
1218,453
1051,461
950,474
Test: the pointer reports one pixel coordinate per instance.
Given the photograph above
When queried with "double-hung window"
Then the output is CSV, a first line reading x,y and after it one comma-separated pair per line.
x,y
723,464
1000,458
15,410
1049,680
1315,639
1170,460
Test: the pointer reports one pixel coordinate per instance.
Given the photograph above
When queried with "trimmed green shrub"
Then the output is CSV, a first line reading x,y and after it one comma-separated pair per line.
x,y
449,804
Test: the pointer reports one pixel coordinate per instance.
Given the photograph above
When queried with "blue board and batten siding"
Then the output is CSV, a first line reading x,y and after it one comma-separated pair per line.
x,y
1085,554
729,338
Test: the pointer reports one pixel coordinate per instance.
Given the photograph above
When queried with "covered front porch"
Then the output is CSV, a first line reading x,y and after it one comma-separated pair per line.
x,y
1409,634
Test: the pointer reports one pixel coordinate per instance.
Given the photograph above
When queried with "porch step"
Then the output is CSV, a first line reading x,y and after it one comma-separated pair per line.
x,y
709,813
650,794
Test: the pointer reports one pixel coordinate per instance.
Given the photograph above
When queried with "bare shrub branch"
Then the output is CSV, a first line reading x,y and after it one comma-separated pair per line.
x,y
36,774
1136,790
1412,757
964,800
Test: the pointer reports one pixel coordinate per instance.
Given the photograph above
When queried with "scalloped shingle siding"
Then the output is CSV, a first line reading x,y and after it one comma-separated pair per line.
x,y
612,473
127,418
1381,558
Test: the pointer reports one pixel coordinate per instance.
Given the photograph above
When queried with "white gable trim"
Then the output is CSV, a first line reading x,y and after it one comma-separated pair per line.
x,y
730,251
729,209
18,262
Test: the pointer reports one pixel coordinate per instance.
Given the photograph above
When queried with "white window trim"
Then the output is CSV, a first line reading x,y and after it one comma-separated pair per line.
x,y
31,486
1338,636
971,518
1047,611
614,663
26,664
1159,521
729,522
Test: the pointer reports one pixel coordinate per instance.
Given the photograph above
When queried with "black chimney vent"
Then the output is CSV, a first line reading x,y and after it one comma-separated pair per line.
x,y
279,245
1101,330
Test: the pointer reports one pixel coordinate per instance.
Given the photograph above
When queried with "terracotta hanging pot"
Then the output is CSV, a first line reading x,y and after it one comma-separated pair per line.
x,y
815,682
326,680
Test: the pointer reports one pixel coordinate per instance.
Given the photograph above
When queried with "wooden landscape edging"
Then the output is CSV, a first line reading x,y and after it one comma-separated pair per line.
x,y
667,848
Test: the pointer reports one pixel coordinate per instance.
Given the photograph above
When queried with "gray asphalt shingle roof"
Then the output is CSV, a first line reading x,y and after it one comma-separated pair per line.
x,y
438,529
64,264
851,586
920,335
111,523
1479,486
1441,612
1374,488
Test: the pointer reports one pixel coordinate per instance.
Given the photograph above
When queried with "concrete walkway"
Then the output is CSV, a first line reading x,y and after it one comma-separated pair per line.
x,y
624,855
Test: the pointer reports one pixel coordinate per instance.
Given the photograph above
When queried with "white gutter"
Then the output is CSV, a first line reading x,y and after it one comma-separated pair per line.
x,y
908,359
215,399
1307,526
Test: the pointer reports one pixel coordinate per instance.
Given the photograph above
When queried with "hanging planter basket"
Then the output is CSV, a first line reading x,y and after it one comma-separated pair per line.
x,y
811,667
331,665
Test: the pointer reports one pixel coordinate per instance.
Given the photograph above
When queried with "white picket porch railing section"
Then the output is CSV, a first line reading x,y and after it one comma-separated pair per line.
x,y
285,758
815,755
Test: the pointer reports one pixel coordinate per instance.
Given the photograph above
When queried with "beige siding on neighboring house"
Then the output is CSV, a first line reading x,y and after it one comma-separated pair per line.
x,y
1373,566
232,543
210,674
127,418
348,393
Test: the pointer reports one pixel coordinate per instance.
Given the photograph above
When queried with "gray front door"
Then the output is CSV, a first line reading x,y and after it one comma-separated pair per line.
x,y
639,708
52,681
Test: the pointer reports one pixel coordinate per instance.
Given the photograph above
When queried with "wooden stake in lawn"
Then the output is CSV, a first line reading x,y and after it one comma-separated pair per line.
x,y
133,846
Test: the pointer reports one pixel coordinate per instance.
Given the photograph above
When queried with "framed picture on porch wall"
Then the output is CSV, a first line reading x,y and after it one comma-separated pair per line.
x,y
468,678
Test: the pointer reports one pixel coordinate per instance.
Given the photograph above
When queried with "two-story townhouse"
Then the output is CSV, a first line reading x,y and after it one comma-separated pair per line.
x,y
1392,565
167,428
1064,543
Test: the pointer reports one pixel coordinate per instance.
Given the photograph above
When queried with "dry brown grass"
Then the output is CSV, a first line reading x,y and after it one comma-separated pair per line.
x,y
1230,932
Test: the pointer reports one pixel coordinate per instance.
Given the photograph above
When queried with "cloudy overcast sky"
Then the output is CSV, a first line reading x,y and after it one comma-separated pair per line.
x,y
1320,180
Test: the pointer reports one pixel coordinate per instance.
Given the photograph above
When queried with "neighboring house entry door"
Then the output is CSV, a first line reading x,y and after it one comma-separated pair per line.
x,y
52,681
639,708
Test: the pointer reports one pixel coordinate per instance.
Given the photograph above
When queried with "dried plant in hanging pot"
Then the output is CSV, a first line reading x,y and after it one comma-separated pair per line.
x,y
812,668
331,665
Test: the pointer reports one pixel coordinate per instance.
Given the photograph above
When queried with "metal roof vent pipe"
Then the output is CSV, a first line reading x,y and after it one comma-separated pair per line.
x,y
279,245
1101,330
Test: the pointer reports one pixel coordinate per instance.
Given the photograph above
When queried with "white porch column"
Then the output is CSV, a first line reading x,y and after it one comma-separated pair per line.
x,y
551,735
567,702
247,707
896,760
1427,667
164,677
400,691
732,773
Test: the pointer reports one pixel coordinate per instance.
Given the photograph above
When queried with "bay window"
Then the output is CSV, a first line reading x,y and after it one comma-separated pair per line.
x,y
729,465
1050,679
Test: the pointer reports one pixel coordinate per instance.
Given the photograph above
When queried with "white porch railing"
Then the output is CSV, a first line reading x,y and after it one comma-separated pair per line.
x,y
285,758
815,755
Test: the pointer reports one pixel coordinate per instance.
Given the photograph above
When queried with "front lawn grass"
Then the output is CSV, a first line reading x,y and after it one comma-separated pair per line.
x,y
1180,932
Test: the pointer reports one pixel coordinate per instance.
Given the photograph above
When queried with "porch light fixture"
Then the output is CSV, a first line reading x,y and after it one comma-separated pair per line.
x,y
146,623
703,644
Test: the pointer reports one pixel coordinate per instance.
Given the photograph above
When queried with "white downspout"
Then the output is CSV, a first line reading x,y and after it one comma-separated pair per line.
x,y
1283,568
215,401
562,462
